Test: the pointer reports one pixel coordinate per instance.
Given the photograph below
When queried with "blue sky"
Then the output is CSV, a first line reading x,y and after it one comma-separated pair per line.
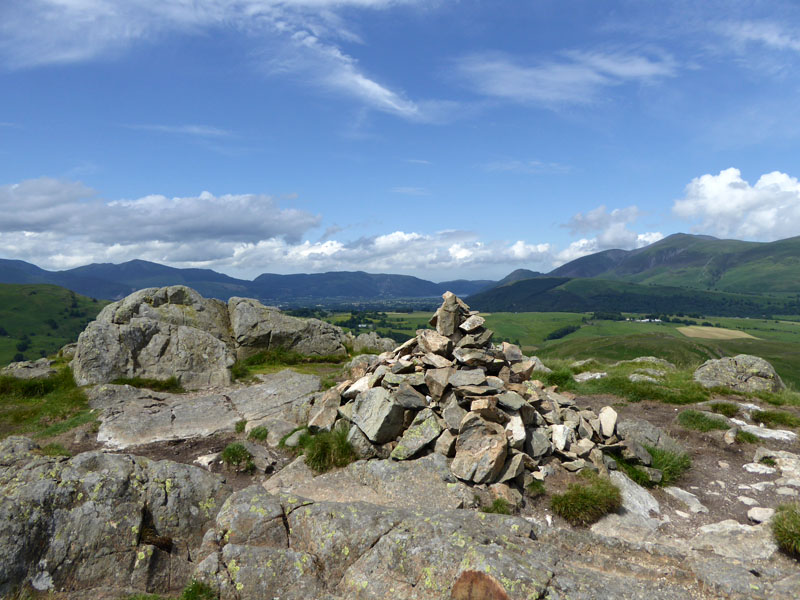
x,y
444,139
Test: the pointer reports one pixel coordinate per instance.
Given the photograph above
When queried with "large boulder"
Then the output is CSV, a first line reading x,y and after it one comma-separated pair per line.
x,y
100,520
256,327
26,369
743,373
157,333
173,331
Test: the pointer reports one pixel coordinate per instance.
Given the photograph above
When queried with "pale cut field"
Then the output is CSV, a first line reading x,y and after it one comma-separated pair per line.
x,y
713,333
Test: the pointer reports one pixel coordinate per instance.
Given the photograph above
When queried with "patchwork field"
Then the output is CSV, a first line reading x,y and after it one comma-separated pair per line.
x,y
713,333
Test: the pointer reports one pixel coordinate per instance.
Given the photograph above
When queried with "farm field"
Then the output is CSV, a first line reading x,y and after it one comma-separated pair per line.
x,y
713,333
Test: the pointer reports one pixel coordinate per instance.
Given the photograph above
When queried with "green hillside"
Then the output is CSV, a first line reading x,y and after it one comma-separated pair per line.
x,y
584,295
38,319
699,262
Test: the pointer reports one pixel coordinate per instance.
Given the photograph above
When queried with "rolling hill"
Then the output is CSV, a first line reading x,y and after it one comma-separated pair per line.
x,y
699,262
583,295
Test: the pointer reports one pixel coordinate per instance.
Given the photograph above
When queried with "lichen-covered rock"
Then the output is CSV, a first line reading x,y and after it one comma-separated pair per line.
x,y
100,519
27,369
743,373
481,450
256,327
423,430
157,333
378,415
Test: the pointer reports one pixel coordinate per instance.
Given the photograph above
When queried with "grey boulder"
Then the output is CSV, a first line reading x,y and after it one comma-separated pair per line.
x,y
743,373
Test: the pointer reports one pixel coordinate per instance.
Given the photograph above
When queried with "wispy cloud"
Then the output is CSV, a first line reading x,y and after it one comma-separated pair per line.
x,y
573,78
769,34
531,167
418,161
298,37
411,191
203,131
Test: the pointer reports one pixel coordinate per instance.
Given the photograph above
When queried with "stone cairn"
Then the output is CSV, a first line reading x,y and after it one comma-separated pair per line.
x,y
451,391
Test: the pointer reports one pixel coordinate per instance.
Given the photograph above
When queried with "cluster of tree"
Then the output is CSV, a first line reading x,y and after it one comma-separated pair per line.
x,y
600,315
562,332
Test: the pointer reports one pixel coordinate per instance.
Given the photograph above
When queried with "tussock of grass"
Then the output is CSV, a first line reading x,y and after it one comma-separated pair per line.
x,y
786,528
560,377
54,450
197,590
258,434
327,449
157,385
585,503
499,506
745,437
776,418
768,460
535,488
240,425
725,408
236,455
671,464
693,419
40,407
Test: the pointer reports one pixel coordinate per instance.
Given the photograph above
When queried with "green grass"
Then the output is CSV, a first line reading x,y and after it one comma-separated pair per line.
x,y
585,503
499,506
170,384
671,464
42,407
745,437
41,317
535,488
259,434
276,358
237,456
693,419
54,450
786,528
677,388
327,449
197,590
725,408
768,460
240,425
776,418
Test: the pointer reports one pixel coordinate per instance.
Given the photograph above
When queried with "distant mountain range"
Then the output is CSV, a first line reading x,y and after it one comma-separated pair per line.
x,y
111,282
699,267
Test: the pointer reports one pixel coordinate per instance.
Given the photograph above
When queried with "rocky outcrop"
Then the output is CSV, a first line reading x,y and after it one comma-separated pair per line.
x,y
257,327
132,416
27,369
174,332
743,373
371,342
100,520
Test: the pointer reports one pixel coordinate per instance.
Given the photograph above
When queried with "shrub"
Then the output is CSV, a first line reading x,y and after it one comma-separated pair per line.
x,y
535,488
240,425
326,450
584,503
786,528
258,434
198,590
771,418
236,455
499,506
725,408
693,419
745,437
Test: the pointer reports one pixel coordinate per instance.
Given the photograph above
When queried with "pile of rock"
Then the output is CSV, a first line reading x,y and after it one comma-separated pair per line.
x,y
452,391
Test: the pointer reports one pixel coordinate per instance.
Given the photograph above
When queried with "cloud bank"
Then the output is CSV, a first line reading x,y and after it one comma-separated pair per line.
x,y
725,205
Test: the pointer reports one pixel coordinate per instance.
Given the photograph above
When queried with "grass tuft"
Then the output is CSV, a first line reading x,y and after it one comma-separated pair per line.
x,y
535,488
499,506
198,590
559,377
54,450
725,408
327,450
745,437
585,503
240,425
258,434
671,464
786,528
773,418
236,455
171,384
693,419
768,460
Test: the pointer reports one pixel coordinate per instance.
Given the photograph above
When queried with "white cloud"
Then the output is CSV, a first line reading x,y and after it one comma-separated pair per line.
x,y
576,78
728,206
59,224
611,229
768,34
297,36
411,191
